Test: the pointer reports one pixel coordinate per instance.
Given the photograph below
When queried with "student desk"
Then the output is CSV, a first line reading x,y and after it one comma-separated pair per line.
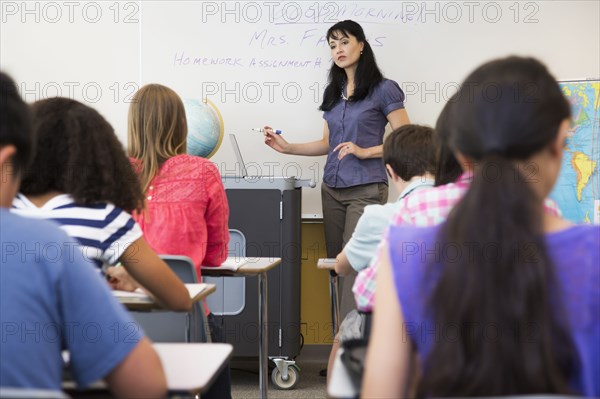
x,y
139,301
334,294
254,267
190,368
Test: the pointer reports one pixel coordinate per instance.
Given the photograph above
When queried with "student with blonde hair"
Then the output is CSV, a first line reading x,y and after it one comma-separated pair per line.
x,y
186,210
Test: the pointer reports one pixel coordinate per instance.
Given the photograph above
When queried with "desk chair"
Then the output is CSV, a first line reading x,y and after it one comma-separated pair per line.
x,y
173,326
230,298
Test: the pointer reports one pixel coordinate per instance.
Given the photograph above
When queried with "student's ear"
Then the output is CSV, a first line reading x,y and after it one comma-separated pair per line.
x,y
391,172
9,182
465,163
7,152
557,146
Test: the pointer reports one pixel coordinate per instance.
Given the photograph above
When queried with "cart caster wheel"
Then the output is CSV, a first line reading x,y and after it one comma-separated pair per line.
x,y
292,378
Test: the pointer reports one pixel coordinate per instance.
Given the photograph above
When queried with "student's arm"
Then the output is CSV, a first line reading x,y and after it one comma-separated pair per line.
x,y
388,356
153,274
216,217
139,375
278,143
342,266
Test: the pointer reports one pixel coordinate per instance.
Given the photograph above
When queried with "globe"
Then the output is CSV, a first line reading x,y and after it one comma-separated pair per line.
x,y
205,127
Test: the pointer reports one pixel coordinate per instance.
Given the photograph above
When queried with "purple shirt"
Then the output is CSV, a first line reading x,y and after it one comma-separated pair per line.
x,y
363,123
576,259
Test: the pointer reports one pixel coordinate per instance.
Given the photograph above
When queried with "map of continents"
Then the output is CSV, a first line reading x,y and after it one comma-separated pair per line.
x,y
577,189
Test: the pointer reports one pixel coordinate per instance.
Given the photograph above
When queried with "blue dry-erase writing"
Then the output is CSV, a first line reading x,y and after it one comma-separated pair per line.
x,y
258,129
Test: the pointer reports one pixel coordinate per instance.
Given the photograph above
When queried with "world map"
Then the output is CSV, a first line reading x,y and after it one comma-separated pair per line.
x,y
577,190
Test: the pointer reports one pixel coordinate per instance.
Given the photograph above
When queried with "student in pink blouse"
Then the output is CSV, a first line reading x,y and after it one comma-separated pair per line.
x,y
186,210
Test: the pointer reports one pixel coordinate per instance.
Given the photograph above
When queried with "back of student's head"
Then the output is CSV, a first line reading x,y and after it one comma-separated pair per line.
x,y
411,150
157,129
79,154
448,168
498,275
15,124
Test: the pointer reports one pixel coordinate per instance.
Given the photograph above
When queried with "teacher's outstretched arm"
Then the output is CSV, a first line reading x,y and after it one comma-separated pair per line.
x,y
312,148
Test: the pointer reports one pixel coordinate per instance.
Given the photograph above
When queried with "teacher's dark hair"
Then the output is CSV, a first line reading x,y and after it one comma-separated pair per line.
x,y
79,154
504,302
367,76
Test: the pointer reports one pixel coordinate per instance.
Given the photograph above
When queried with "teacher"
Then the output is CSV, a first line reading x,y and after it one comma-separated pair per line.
x,y
358,103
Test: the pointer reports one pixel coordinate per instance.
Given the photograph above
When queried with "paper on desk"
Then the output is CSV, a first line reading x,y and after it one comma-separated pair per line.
x,y
326,262
233,263
140,296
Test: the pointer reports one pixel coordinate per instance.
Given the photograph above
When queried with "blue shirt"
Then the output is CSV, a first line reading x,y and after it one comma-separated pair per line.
x,y
52,299
576,259
372,224
363,123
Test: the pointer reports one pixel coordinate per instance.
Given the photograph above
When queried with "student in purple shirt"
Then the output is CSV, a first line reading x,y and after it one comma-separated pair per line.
x,y
503,298
358,103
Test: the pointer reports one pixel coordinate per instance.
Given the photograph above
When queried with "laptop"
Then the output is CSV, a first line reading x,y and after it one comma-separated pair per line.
x,y
244,171
238,155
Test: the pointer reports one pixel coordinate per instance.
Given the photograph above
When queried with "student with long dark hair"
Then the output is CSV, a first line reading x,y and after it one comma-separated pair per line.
x,y
503,298
358,103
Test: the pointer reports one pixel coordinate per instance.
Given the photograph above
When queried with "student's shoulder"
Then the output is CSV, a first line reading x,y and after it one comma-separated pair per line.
x,y
375,215
379,211
188,164
27,229
413,234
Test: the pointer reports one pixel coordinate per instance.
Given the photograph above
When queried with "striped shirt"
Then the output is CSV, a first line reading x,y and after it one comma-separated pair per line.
x,y
103,231
425,208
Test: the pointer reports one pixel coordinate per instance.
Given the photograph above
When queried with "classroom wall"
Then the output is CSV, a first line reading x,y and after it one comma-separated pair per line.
x,y
100,52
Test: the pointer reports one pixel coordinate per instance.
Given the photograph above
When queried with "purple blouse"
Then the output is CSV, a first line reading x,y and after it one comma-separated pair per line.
x,y
363,123
576,256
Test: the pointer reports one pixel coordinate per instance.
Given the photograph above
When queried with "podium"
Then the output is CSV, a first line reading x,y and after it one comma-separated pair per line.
x,y
267,210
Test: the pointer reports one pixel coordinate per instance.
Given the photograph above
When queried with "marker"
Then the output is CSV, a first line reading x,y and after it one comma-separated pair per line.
x,y
258,129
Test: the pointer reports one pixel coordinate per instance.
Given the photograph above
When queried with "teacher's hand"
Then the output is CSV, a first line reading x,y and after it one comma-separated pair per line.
x,y
349,147
275,141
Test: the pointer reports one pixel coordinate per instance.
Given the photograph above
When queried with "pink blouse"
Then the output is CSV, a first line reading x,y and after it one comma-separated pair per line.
x,y
187,211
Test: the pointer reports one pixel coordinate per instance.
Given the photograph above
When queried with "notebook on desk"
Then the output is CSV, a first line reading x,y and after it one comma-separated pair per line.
x,y
140,296
233,263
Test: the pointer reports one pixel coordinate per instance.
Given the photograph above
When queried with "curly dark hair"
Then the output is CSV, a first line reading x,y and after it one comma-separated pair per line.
x,y
79,154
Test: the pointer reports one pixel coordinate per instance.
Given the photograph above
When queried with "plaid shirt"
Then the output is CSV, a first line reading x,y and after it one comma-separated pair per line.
x,y
424,208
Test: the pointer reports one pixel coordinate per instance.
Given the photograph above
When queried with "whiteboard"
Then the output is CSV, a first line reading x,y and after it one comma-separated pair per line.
x,y
267,62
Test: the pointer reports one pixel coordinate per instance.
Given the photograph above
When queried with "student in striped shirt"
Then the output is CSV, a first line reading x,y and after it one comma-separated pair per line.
x,y
82,180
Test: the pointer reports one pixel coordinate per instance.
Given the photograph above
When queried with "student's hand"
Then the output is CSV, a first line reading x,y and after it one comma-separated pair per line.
x,y
349,147
275,141
119,279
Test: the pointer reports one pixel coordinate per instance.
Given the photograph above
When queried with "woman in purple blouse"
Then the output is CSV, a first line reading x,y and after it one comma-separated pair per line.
x,y
358,103
503,299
